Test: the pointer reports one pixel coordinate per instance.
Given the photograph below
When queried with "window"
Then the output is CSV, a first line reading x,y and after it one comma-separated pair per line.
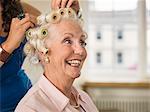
x,y
148,36
109,5
120,36
98,35
119,58
118,22
98,57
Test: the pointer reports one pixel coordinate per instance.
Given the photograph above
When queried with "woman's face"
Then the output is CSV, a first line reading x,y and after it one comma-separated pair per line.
x,y
67,48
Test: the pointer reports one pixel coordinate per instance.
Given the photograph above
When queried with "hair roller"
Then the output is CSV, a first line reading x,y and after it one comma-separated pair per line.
x,y
29,49
41,20
53,17
71,13
62,12
42,33
31,33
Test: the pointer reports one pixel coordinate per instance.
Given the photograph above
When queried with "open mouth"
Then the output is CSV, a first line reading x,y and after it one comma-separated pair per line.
x,y
74,62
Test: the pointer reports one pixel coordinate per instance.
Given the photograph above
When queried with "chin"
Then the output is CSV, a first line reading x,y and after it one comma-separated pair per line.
x,y
75,75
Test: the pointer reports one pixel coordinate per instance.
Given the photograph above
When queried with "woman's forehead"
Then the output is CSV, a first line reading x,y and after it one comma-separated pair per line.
x,y
65,26
59,31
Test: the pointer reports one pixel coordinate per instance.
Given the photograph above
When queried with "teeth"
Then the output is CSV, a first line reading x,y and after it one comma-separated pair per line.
x,y
74,63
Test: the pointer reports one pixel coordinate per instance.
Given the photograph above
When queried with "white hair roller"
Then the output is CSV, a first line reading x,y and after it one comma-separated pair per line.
x,y
62,12
31,33
28,49
41,46
53,17
42,33
41,19
71,13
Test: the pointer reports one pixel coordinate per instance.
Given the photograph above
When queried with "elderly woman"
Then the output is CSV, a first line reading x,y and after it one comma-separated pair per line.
x,y
59,41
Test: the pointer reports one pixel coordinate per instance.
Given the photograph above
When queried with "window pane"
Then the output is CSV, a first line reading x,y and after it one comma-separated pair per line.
x,y
119,32
119,58
120,35
98,57
148,35
98,35
109,5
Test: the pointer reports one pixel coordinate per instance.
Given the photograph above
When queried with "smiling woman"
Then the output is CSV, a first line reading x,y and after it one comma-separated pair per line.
x,y
59,42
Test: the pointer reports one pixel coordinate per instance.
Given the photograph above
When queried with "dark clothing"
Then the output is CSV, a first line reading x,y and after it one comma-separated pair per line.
x,y
14,83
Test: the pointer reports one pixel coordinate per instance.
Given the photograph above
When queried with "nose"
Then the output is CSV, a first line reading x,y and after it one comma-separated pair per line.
x,y
78,49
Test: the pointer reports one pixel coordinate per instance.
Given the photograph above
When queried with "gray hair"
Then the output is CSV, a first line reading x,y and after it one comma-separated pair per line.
x,y
36,36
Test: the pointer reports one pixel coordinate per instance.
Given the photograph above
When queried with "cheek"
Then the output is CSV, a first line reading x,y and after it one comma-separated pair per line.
x,y
59,53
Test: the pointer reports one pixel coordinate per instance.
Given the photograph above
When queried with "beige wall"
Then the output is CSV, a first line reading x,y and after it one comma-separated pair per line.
x,y
42,5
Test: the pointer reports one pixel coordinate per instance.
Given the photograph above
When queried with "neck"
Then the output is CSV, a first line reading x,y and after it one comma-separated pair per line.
x,y
60,80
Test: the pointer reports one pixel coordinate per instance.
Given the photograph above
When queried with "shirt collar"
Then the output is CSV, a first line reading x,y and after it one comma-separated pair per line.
x,y
78,95
60,100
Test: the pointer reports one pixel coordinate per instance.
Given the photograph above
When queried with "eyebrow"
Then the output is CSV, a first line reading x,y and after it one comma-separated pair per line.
x,y
83,36
69,34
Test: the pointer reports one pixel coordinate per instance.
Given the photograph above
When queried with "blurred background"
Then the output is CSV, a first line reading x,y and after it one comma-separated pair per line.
x,y
116,73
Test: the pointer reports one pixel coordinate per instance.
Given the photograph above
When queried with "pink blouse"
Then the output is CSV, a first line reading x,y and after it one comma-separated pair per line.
x,y
45,97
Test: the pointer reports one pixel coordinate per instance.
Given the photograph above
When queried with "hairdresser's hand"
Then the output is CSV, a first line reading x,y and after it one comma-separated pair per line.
x,y
17,33
33,19
74,4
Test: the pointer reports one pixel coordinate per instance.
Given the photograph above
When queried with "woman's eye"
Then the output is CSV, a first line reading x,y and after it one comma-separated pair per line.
x,y
67,41
83,43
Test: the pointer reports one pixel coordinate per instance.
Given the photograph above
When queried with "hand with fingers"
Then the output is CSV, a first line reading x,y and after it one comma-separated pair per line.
x,y
17,30
74,4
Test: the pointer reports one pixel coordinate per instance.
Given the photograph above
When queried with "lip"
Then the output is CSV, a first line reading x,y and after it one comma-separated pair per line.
x,y
79,58
74,59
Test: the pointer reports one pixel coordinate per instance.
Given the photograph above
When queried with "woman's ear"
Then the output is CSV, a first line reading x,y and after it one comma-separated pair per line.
x,y
41,56
44,57
48,52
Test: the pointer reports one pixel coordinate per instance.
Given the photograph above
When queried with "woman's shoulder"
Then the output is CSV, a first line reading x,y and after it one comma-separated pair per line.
x,y
31,94
35,99
28,100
